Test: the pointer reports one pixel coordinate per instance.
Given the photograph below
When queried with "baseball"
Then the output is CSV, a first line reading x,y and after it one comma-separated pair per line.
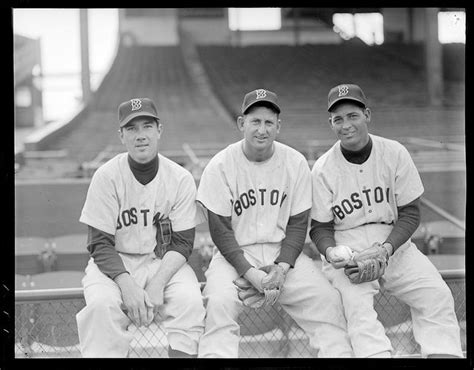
x,y
343,252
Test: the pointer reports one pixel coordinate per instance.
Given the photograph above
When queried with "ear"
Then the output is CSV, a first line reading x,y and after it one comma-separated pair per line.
x,y
240,123
159,127
278,126
330,121
367,114
120,133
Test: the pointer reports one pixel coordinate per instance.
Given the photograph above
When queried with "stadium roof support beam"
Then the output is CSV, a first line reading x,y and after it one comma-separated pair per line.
x,y
433,57
85,71
296,26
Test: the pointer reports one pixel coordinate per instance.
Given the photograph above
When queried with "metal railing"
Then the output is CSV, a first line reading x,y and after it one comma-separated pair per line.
x,y
444,214
45,326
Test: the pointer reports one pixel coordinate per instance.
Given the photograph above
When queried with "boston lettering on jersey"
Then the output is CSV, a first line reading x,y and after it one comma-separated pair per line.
x,y
262,196
130,216
357,200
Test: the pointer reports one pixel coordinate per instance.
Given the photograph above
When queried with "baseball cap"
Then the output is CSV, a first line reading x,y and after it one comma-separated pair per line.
x,y
260,95
346,92
136,107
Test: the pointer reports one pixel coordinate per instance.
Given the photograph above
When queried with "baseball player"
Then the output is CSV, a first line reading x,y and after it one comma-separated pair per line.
x,y
141,215
366,192
256,194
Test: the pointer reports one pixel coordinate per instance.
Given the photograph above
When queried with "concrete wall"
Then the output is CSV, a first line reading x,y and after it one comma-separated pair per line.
x,y
50,208
160,27
419,27
216,31
208,31
153,27
285,37
404,24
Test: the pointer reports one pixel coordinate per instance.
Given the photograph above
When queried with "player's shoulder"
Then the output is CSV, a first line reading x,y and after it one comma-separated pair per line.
x,y
112,167
288,152
327,159
173,169
386,144
227,155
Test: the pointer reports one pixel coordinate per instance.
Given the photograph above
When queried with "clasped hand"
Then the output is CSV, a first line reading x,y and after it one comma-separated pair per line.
x,y
140,305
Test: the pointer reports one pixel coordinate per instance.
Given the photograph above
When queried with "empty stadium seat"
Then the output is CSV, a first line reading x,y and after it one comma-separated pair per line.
x,y
156,72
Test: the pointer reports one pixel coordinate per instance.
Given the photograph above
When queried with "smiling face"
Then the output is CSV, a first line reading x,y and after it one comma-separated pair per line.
x,y
260,126
140,136
349,122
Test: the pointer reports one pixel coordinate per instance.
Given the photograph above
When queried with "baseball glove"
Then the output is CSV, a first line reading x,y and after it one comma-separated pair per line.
x,y
368,265
164,232
251,297
275,277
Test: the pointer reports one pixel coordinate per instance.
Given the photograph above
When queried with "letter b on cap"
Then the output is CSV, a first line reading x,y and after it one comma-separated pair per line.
x,y
261,93
343,90
136,104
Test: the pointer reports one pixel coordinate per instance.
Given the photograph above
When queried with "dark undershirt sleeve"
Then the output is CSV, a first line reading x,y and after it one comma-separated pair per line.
x,y
182,242
293,244
322,235
223,236
101,247
406,225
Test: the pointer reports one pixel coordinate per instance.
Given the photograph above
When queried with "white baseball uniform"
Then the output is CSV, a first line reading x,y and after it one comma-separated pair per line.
x,y
118,204
362,200
260,197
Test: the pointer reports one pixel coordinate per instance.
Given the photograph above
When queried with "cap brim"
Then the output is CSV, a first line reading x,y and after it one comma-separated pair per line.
x,y
345,98
259,101
135,115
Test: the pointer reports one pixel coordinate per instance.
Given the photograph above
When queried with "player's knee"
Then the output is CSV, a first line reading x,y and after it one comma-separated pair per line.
x,y
440,298
102,305
332,301
220,302
189,298
357,307
329,294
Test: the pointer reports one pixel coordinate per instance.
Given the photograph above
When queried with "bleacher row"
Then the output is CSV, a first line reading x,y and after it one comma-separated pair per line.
x,y
303,75
155,72
391,75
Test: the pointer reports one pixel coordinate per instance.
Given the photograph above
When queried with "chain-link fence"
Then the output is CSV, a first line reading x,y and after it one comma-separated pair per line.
x,y
45,326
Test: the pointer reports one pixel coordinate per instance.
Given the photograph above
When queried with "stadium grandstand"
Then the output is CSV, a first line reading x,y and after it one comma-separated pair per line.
x,y
197,69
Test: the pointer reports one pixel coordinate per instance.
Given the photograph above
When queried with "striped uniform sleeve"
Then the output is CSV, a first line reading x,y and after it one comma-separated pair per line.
x,y
214,192
183,211
101,207
322,195
408,184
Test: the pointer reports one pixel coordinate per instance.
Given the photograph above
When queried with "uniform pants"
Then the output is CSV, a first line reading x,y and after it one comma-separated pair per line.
x,y
411,277
102,325
306,296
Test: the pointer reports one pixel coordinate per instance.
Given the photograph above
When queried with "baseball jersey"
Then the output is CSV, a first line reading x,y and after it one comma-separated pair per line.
x,y
362,199
259,197
118,204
